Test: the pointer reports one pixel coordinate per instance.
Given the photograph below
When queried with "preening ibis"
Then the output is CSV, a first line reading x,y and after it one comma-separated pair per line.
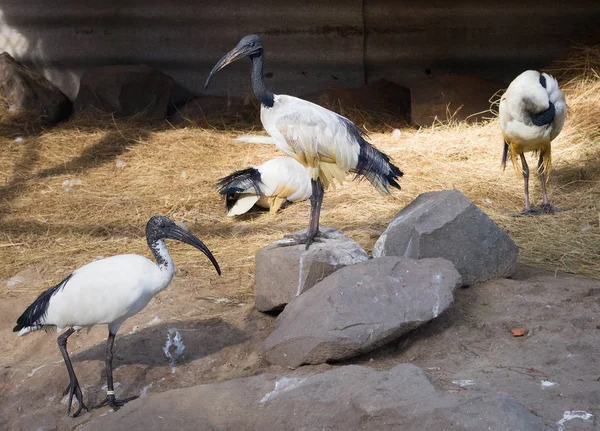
x,y
328,144
107,291
269,185
532,114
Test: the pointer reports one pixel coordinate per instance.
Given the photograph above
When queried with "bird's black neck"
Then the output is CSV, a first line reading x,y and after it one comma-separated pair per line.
x,y
258,83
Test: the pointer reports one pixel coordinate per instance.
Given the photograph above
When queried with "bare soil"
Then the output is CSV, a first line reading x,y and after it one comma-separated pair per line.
x,y
552,369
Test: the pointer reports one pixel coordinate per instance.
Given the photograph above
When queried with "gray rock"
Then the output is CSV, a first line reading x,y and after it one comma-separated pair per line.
x,y
345,398
282,273
447,224
43,420
31,93
361,307
126,91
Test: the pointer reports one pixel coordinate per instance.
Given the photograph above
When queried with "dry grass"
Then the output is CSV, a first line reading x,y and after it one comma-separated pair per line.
x,y
44,226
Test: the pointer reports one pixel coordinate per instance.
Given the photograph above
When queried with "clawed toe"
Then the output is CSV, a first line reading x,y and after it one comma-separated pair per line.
x,y
113,402
549,209
527,213
544,209
301,238
75,390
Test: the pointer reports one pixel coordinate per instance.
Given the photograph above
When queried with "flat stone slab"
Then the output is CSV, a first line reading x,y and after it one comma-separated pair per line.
x,y
447,224
282,273
361,307
346,398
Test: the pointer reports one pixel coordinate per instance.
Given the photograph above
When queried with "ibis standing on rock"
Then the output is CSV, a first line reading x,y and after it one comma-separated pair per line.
x,y
107,291
532,114
269,185
326,143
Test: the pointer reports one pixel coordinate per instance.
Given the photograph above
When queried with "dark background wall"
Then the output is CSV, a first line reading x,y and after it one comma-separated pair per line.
x,y
310,44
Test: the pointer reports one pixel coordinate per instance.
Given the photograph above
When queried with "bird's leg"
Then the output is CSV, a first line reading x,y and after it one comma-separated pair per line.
x,y
504,155
547,208
527,211
110,399
312,233
316,198
74,388
526,181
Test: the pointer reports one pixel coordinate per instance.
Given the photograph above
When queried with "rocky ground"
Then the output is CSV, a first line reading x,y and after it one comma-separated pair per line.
x,y
547,378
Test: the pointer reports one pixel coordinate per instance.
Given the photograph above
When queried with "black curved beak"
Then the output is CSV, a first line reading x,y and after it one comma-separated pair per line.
x,y
184,236
233,55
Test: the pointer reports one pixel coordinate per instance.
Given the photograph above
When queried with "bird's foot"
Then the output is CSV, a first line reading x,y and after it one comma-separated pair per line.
x,y
75,389
113,402
302,238
550,209
544,209
527,213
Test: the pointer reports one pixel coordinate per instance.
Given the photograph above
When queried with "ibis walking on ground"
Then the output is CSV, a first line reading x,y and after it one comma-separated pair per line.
x,y
107,291
532,114
326,143
269,185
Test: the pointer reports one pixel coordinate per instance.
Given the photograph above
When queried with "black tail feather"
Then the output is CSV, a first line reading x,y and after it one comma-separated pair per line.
x,y
374,165
36,312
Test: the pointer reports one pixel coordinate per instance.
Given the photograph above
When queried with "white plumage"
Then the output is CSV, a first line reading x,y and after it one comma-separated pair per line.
x,y
317,137
107,291
532,113
327,144
269,185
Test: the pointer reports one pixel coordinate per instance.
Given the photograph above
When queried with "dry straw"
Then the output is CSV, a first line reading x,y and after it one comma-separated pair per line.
x,y
87,187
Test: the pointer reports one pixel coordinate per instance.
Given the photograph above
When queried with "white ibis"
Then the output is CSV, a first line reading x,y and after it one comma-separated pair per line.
x,y
328,144
269,185
107,291
532,114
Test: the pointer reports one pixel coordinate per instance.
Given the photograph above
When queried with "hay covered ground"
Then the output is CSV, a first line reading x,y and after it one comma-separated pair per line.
x,y
87,187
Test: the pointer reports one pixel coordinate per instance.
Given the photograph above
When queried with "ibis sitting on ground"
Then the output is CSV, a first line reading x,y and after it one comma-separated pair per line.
x,y
326,143
532,114
107,291
269,185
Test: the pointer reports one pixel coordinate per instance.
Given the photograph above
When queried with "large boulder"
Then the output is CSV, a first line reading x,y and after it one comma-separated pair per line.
x,y
27,91
345,398
361,307
447,224
126,91
282,273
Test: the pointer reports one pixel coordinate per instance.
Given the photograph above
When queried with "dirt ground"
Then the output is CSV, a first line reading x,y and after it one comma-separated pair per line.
x,y
551,370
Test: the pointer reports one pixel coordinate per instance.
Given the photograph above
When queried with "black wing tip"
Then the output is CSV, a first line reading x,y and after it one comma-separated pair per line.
x,y
38,308
234,182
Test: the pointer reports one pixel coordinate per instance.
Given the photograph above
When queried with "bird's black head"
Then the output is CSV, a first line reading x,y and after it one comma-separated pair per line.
x,y
248,46
161,227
